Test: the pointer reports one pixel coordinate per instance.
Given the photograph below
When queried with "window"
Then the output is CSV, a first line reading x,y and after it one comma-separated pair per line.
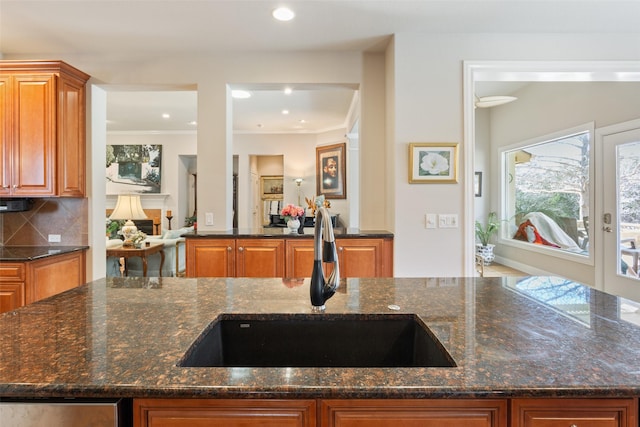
x,y
546,191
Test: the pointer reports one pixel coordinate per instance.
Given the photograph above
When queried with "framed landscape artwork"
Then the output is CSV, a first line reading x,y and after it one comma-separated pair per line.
x,y
134,169
433,163
331,171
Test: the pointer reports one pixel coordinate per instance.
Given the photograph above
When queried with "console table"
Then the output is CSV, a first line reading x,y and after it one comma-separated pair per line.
x,y
142,252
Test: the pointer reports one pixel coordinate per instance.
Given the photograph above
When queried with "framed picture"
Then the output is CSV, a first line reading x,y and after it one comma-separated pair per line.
x,y
433,163
331,169
272,187
477,184
134,169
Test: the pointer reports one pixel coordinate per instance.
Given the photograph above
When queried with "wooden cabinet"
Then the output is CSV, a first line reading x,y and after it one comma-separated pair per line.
x,y
55,274
211,258
26,282
574,412
360,257
235,258
365,257
223,413
413,413
12,277
299,254
260,258
42,124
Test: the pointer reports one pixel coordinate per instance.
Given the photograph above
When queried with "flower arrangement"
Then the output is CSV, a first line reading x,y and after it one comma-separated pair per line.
x,y
291,212
138,238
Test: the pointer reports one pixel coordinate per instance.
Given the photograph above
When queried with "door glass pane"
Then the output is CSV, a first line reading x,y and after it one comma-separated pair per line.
x,y
628,207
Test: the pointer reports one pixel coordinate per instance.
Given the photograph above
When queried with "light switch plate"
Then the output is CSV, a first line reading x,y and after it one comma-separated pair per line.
x,y
431,221
448,221
55,238
208,218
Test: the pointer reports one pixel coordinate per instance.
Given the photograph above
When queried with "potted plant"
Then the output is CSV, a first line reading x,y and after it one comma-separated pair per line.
x,y
484,232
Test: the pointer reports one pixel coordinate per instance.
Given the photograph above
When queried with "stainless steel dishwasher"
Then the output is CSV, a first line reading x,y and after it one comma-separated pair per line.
x,y
65,413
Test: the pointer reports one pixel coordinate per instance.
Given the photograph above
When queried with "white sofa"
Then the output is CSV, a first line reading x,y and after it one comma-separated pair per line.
x,y
174,256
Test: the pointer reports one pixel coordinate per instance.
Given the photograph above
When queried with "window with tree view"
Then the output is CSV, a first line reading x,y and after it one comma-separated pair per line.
x,y
547,192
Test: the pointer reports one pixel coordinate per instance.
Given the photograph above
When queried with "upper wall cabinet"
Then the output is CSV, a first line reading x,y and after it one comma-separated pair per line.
x,y
42,124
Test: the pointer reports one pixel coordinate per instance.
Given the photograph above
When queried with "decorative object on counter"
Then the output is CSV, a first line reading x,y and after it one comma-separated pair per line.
x,y
292,214
169,218
190,220
433,163
128,207
138,238
331,171
484,249
317,202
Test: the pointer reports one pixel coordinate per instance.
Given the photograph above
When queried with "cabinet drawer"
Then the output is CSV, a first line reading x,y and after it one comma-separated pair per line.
x,y
10,272
574,412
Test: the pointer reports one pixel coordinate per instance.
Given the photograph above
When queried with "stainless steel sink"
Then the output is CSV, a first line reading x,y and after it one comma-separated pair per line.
x,y
319,340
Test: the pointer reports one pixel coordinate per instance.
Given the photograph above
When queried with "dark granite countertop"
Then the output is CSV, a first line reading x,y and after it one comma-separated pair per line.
x,y
283,232
30,253
122,337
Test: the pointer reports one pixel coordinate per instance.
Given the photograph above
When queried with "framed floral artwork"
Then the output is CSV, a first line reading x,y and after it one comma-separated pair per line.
x,y
331,171
433,163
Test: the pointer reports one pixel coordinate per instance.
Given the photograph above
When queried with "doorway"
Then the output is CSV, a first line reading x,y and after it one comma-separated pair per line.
x,y
620,221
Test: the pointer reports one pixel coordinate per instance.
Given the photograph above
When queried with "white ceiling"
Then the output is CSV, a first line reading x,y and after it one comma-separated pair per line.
x,y
127,29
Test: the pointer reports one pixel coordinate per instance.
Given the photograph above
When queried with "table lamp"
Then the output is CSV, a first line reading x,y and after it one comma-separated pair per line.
x,y
128,208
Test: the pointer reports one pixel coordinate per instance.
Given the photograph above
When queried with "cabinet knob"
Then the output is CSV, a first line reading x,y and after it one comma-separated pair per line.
x,y
240,249
15,185
574,425
229,249
5,186
341,249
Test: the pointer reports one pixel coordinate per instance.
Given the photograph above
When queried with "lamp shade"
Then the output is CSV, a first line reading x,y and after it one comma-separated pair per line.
x,y
128,206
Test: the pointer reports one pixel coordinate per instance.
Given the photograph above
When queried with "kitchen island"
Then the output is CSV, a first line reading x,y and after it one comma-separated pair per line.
x,y
511,339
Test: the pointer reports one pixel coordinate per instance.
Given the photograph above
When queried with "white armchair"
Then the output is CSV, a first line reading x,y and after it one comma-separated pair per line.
x,y
174,256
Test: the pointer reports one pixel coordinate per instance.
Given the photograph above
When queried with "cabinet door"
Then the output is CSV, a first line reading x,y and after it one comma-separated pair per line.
x,y
53,275
364,258
223,413
211,257
578,412
71,158
299,258
413,413
260,258
33,150
12,292
6,113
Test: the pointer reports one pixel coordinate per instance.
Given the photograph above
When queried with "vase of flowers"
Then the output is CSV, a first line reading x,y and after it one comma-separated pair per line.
x,y
138,238
292,215
484,232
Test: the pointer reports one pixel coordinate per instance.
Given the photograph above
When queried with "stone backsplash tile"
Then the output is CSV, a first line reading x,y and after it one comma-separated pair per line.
x,y
67,217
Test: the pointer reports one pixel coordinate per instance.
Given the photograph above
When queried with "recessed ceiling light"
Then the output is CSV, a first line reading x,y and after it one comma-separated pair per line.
x,y
240,94
166,115
283,14
303,121
287,91
285,112
192,123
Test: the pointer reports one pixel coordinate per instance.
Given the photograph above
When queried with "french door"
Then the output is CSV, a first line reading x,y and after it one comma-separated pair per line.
x,y
619,222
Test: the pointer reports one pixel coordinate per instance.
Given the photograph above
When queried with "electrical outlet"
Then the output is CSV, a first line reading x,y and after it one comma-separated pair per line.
x,y
208,218
55,238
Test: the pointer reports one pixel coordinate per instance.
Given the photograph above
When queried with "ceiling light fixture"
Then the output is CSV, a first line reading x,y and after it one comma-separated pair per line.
x,y
283,14
166,115
240,94
285,112
493,101
288,91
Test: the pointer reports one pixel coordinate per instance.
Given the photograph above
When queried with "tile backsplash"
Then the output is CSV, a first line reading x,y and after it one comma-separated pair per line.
x,y
67,217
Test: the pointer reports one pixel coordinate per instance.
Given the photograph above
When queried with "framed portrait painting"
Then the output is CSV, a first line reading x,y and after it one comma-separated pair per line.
x,y
331,168
433,163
